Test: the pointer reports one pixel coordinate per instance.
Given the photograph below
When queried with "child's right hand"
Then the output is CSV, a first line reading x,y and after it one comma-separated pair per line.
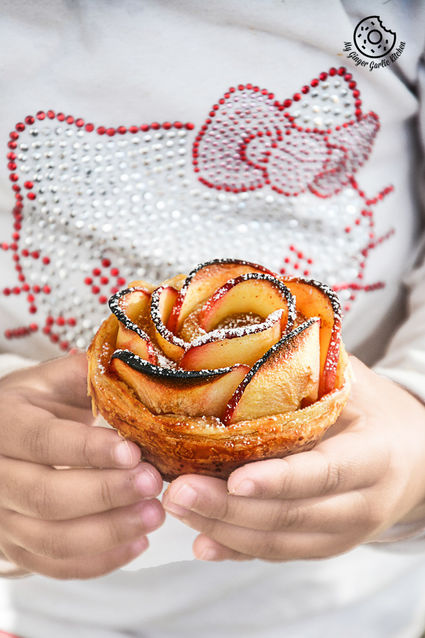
x,y
79,522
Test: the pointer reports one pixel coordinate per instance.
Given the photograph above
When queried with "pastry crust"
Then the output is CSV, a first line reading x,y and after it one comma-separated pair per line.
x,y
177,444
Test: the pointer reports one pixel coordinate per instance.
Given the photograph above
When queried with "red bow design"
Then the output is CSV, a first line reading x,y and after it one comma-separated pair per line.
x,y
315,141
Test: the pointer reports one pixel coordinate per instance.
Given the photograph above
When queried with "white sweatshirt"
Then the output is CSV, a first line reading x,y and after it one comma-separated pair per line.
x,y
210,170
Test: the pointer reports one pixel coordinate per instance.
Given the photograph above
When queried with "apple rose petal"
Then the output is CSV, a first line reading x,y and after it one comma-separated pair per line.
x,y
203,280
228,346
130,306
315,299
174,391
162,303
260,294
284,379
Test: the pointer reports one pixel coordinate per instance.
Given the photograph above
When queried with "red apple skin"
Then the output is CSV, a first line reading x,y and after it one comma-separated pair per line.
x,y
203,281
162,303
315,299
283,380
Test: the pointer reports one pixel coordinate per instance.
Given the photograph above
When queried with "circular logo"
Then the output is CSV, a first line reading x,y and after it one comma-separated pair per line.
x,y
372,39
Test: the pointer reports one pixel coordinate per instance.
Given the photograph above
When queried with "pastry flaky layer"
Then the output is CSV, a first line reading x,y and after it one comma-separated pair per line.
x,y
229,365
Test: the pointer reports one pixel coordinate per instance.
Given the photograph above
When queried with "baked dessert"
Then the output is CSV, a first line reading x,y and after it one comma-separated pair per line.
x,y
228,365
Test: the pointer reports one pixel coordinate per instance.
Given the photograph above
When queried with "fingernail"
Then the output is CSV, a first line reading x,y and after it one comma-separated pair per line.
x,y
209,553
181,501
245,488
123,454
151,515
146,483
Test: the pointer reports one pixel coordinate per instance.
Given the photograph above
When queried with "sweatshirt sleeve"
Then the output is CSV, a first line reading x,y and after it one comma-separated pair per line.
x,y
404,363
404,360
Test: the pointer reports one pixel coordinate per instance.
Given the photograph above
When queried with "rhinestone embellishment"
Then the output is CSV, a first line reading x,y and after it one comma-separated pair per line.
x,y
264,180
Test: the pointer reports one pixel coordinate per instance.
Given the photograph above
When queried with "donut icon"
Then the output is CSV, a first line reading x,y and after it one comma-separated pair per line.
x,y
372,39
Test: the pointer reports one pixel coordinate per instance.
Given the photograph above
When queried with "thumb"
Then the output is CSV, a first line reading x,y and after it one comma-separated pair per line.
x,y
63,380
67,377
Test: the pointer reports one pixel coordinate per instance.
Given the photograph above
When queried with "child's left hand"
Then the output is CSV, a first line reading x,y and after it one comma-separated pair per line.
x,y
366,475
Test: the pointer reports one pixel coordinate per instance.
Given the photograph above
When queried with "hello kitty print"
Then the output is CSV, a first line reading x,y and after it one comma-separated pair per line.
x,y
267,178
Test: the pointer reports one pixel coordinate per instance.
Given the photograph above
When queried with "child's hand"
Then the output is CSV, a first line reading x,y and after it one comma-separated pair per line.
x,y
365,476
79,522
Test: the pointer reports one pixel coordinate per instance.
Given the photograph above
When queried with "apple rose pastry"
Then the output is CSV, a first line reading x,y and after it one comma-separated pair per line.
x,y
229,365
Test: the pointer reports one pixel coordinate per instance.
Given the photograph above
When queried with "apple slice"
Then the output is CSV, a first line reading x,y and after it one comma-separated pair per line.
x,y
162,302
130,307
175,391
202,281
314,299
229,346
286,377
252,292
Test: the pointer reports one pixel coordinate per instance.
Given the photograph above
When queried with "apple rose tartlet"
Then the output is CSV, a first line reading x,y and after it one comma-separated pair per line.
x,y
228,365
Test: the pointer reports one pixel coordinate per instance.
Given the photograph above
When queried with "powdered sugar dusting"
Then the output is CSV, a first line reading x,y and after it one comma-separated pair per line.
x,y
117,306
241,331
240,320
158,323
